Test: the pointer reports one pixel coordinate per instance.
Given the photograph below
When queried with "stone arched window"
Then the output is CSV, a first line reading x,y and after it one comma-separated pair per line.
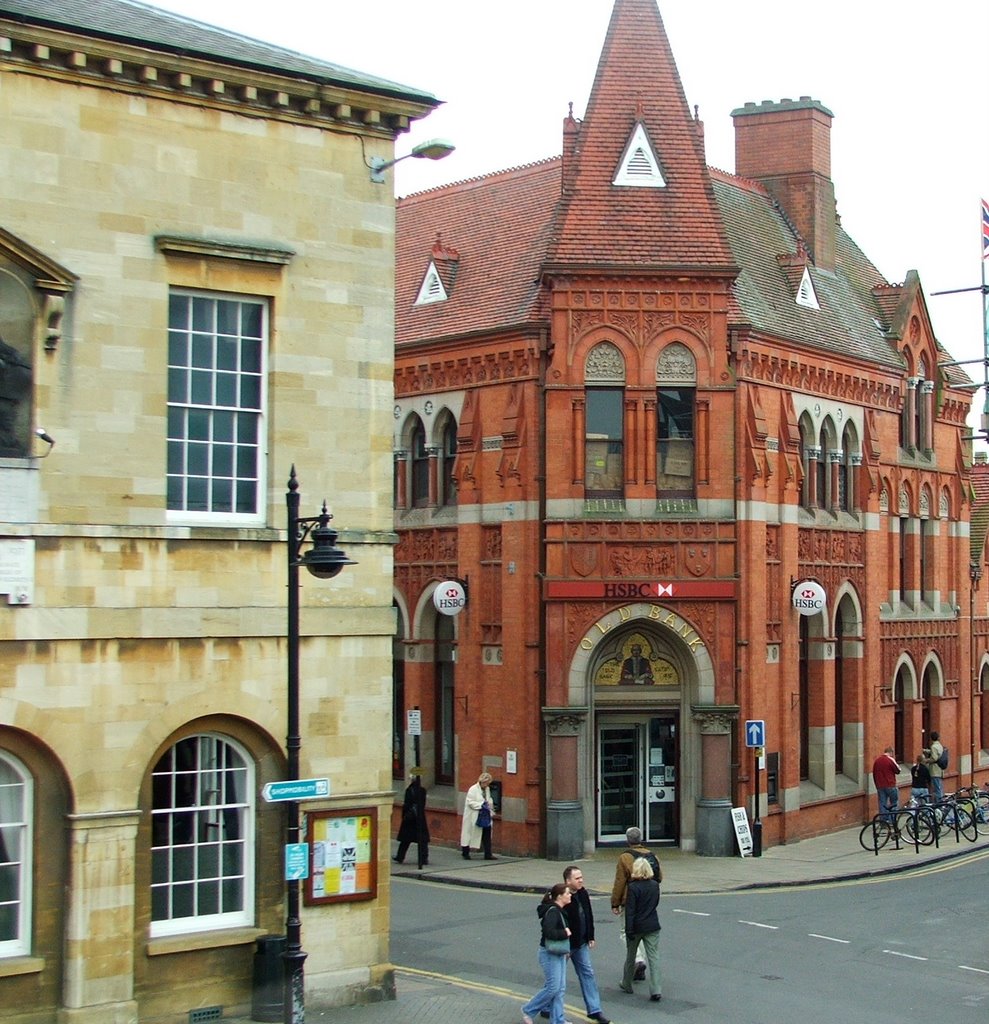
x,y
16,856
202,836
676,387
604,422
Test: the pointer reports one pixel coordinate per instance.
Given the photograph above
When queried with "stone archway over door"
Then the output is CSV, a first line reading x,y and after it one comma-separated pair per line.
x,y
704,796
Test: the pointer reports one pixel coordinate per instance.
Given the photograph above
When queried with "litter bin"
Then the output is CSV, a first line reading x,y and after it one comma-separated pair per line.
x,y
269,979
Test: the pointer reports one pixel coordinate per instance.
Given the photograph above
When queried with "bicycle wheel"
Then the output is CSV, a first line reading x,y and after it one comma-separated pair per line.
x,y
875,835
981,814
917,825
966,823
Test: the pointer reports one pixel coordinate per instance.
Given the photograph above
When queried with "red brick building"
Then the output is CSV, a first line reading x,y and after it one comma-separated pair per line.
x,y
638,403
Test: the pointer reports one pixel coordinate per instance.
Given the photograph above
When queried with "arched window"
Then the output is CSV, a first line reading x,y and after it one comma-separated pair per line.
x,y
810,456
16,852
846,474
676,385
604,429
420,465
444,665
448,453
984,708
202,829
398,697
901,716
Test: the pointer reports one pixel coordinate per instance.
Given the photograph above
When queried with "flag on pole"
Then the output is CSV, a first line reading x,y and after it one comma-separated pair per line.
x,y
985,229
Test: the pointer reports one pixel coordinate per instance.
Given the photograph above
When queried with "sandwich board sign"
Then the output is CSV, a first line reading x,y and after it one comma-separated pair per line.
x,y
743,834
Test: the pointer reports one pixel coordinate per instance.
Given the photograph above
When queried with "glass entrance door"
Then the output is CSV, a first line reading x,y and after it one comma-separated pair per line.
x,y
619,780
637,778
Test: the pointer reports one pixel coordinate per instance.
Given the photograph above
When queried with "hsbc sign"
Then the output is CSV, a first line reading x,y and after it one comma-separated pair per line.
x,y
809,597
449,597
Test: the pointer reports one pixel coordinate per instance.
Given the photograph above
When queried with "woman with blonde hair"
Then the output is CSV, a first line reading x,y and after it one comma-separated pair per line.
x,y
642,925
475,829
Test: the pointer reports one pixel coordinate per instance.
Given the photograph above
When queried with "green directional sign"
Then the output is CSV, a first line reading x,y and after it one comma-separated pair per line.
x,y
298,789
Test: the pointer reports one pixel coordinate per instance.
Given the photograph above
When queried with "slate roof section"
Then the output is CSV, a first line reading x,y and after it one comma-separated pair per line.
x,y
132,22
601,223
758,233
499,227
979,524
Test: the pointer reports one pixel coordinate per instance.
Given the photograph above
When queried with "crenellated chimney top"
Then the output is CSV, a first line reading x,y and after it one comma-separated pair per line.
x,y
786,145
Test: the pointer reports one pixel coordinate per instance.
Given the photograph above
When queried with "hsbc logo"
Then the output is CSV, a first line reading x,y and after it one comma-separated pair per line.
x,y
450,597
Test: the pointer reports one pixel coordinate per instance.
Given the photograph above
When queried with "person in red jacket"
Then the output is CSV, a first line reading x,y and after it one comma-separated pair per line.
x,y
884,773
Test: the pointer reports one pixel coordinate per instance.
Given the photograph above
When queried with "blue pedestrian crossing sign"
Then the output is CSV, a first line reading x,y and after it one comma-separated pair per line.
x,y
755,732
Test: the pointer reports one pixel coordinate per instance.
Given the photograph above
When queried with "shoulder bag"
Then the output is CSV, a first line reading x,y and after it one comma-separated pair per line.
x,y
558,947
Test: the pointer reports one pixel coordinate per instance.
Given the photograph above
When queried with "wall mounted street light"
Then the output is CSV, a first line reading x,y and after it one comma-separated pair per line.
x,y
434,149
324,560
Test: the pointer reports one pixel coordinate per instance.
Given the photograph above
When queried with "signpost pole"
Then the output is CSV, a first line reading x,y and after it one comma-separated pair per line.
x,y
756,823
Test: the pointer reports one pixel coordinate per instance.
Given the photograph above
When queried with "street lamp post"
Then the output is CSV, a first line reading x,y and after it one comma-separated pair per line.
x,y
324,560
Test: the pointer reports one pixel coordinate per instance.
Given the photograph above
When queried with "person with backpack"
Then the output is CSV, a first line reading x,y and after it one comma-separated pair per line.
x,y
623,875
936,765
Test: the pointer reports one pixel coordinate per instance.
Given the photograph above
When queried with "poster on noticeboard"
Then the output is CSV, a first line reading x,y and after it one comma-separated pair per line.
x,y
343,865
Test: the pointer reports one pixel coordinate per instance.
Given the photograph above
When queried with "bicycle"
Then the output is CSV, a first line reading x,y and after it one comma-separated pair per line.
x,y
914,823
952,814
976,802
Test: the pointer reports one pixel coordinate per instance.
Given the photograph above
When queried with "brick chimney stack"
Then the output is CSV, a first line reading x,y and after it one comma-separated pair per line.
x,y
787,147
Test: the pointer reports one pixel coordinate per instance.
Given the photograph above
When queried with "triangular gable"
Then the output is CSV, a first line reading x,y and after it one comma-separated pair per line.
x,y
432,289
806,296
638,166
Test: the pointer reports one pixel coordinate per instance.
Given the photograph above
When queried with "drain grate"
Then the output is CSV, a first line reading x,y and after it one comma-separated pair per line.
x,y
206,1015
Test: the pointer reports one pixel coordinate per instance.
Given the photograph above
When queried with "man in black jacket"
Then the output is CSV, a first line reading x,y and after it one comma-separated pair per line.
x,y
580,918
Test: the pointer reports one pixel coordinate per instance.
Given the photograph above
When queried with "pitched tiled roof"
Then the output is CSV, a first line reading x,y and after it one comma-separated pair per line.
x,y
758,234
499,227
133,22
979,526
637,82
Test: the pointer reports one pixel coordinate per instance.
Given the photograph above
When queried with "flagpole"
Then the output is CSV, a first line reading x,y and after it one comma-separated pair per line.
x,y
985,321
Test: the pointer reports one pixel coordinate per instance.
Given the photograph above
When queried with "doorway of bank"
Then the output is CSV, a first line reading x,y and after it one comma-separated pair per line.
x,y
637,780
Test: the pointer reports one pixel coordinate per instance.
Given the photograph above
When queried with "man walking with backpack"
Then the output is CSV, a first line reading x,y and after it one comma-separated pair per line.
x,y
937,765
623,874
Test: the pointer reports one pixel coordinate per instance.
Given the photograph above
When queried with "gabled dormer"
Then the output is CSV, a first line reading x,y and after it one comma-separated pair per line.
x,y
441,273
431,289
639,167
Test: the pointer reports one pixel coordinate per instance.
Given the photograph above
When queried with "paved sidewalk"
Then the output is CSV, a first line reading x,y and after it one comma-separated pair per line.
x,y
424,997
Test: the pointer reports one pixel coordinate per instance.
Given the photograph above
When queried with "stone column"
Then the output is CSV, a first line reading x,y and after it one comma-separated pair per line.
x,y
401,479
910,441
835,468
927,416
715,833
564,812
99,941
813,457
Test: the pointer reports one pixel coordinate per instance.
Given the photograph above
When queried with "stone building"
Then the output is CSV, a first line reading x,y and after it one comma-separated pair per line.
x,y
196,296
696,463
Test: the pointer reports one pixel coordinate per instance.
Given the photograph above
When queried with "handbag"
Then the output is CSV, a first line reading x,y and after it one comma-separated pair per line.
x,y
558,947
484,817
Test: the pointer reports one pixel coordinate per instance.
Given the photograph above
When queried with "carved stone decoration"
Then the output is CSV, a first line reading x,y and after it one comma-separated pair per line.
x,y
604,365
925,504
944,509
676,365
903,501
583,558
715,719
564,721
884,500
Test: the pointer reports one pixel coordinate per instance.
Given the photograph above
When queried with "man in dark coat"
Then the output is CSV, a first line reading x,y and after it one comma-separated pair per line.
x,y
414,828
580,918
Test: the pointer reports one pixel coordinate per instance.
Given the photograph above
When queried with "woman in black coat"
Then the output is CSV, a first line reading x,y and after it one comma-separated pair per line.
x,y
642,925
414,828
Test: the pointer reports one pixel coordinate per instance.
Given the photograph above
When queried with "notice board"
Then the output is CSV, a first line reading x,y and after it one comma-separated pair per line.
x,y
343,861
